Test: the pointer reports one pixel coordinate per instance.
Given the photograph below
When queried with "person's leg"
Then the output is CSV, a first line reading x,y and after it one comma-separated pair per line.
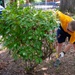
x,y
60,39
59,48
58,51
61,36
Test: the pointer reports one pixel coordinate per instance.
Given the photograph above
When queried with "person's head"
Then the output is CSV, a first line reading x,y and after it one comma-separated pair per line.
x,y
71,26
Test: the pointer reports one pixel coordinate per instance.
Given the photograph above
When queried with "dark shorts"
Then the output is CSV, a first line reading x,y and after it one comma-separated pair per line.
x,y
61,35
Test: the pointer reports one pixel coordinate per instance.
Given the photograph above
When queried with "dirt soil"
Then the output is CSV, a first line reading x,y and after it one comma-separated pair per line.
x,y
10,67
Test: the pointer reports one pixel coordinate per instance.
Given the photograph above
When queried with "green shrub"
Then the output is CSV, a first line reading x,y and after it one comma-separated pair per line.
x,y
23,31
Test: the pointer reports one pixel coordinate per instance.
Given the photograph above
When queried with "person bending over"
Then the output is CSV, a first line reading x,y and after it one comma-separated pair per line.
x,y
66,29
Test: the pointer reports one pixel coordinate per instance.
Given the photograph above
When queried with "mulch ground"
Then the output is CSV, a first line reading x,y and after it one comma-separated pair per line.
x,y
10,67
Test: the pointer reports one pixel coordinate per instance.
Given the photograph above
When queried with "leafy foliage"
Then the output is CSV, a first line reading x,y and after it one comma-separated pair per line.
x,y
23,31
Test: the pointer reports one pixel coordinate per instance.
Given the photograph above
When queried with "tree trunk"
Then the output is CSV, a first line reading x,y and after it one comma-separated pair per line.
x,y
27,1
67,5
